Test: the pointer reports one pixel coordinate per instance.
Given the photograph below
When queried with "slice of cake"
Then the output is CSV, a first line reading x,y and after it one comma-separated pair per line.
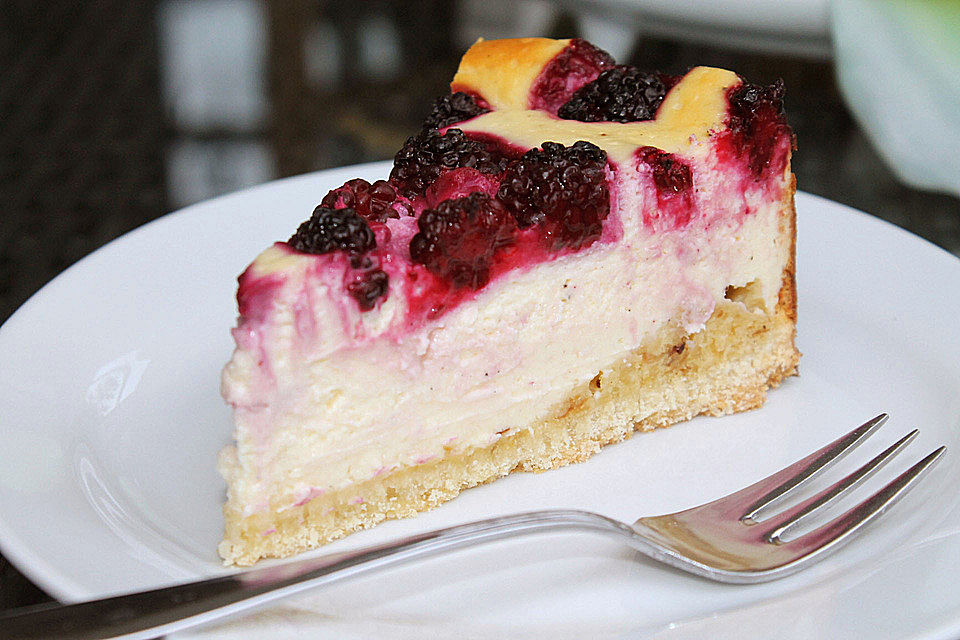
x,y
567,252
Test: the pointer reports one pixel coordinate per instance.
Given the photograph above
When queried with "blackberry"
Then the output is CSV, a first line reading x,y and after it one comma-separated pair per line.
x,y
425,156
457,240
453,108
368,286
750,101
372,201
564,189
330,230
674,183
670,174
579,63
620,94
757,123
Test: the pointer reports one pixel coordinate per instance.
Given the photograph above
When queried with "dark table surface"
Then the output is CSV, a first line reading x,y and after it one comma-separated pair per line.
x,y
86,142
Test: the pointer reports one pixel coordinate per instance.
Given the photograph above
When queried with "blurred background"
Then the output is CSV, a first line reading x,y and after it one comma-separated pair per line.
x,y
116,112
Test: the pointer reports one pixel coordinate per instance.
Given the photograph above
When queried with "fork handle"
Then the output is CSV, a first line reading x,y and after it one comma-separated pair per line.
x,y
149,614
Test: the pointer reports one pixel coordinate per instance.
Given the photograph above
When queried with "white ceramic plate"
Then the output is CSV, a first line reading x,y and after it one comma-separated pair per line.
x,y
111,422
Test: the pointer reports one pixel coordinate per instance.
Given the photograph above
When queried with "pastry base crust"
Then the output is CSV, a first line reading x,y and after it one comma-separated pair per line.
x,y
727,367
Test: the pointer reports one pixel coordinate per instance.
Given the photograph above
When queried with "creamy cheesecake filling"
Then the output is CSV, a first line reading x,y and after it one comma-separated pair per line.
x,y
326,396
331,390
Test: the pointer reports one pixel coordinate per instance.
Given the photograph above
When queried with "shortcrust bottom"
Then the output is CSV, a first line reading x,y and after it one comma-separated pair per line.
x,y
725,368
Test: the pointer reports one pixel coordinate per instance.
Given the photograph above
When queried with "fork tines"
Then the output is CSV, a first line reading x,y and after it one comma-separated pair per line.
x,y
788,480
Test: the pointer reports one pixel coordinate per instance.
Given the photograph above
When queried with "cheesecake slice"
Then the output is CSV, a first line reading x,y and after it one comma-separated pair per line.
x,y
569,251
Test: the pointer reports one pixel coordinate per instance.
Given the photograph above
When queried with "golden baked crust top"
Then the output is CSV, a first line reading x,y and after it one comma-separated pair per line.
x,y
692,109
482,68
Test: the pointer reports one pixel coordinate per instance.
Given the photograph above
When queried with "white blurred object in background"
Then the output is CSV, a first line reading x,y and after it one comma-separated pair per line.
x,y
898,66
794,27
212,61
213,64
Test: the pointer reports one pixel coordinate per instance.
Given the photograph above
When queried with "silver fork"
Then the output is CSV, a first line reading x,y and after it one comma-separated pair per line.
x,y
725,540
